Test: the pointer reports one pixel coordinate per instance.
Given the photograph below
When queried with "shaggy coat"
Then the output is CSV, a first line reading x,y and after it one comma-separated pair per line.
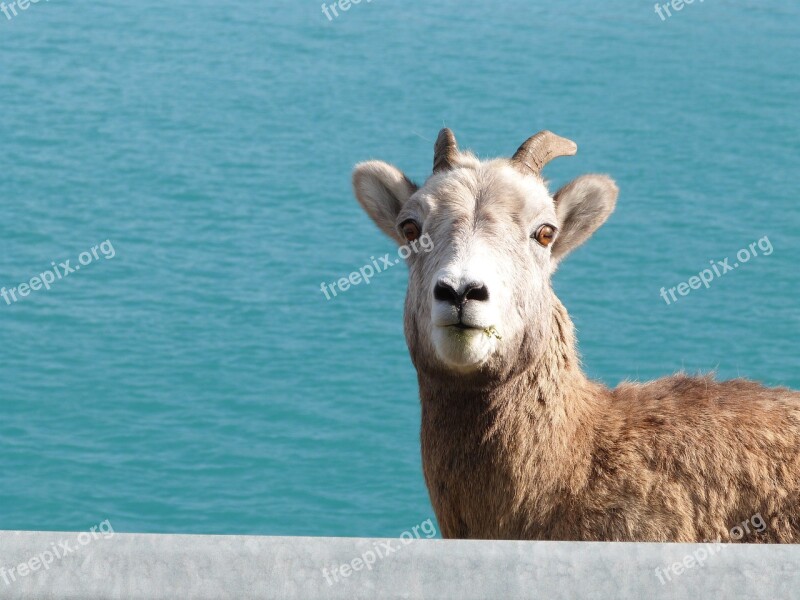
x,y
517,443
551,455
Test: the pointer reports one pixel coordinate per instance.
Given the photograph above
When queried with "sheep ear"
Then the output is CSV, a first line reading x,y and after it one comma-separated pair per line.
x,y
582,206
382,190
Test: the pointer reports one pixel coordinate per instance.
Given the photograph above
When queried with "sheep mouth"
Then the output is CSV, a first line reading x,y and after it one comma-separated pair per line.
x,y
463,346
460,325
490,331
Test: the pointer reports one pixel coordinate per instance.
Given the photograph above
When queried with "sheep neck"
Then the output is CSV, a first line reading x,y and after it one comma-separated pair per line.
x,y
519,445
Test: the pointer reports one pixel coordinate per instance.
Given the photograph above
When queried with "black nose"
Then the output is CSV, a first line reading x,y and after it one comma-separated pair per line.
x,y
444,292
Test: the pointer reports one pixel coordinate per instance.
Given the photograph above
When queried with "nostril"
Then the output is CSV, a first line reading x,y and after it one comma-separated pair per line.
x,y
477,292
444,292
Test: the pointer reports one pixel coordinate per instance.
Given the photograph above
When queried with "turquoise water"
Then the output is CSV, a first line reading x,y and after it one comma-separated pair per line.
x,y
199,381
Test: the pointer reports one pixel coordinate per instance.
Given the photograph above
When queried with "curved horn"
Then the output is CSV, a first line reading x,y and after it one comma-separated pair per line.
x,y
445,151
541,148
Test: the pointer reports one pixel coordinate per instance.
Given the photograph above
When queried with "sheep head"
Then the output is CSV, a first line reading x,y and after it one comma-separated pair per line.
x,y
479,302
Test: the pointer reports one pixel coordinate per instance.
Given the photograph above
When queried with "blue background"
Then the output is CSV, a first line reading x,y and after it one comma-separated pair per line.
x,y
200,382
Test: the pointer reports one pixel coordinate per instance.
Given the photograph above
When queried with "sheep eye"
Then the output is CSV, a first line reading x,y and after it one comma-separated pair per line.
x,y
410,230
545,235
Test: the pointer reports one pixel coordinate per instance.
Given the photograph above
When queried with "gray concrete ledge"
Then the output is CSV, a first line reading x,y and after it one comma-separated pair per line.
x,y
132,566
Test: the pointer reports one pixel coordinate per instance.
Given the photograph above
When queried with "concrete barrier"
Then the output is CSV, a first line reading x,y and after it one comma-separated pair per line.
x,y
132,566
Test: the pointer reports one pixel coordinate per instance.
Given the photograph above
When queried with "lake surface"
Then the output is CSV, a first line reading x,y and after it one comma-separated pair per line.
x,y
198,381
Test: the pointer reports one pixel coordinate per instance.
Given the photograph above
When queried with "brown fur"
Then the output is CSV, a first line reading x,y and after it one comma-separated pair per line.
x,y
516,442
550,455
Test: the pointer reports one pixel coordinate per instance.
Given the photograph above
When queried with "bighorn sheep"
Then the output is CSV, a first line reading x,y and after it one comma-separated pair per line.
x,y
517,443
